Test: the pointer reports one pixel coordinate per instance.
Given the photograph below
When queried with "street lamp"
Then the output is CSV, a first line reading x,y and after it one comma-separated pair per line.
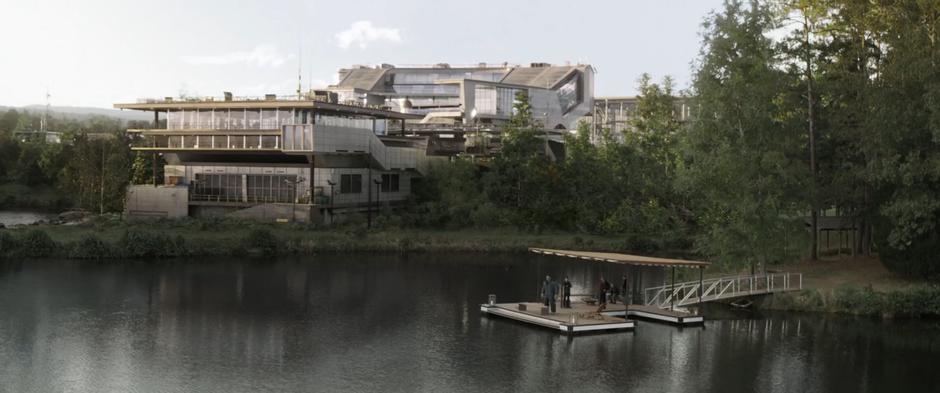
x,y
293,201
332,194
378,188
473,124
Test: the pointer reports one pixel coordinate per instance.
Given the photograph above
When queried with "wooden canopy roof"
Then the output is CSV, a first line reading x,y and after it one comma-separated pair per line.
x,y
624,259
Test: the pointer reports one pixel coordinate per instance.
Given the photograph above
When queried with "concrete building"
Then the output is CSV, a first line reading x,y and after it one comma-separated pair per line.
x,y
273,158
443,94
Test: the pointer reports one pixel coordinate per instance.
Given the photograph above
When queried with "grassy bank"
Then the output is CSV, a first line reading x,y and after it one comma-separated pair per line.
x,y
107,237
857,286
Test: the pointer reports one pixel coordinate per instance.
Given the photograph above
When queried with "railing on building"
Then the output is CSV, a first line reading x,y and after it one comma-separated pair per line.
x,y
208,142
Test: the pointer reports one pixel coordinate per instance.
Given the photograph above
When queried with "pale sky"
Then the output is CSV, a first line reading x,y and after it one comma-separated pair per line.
x,y
100,52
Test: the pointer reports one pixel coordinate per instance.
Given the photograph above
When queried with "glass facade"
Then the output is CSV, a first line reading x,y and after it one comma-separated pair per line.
x,y
492,100
271,188
569,94
216,188
231,119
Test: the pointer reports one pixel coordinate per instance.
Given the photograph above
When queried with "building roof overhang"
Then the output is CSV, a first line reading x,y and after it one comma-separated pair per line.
x,y
318,106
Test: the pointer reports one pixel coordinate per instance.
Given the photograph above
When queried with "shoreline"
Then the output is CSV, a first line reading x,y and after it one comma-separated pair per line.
x,y
853,286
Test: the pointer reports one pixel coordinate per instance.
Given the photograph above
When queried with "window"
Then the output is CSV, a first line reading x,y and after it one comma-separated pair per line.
x,y
350,184
272,188
390,182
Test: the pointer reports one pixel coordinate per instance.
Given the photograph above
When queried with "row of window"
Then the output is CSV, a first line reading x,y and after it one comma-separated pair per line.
x,y
352,183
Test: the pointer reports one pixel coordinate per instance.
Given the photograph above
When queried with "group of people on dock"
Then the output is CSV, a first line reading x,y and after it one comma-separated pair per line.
x,y
606,292
550,291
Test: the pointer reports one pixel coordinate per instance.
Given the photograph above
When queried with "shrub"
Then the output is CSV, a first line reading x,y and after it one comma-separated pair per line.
x,y
8,244
36,244
141,244
919,259
261,240
91,247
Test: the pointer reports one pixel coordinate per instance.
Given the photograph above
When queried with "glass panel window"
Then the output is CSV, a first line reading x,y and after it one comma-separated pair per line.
x,y
568,95
269,142
350,184
254,119
390,182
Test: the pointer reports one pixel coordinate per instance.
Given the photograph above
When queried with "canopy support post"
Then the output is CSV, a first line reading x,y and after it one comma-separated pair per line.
x,y
672,297
700,289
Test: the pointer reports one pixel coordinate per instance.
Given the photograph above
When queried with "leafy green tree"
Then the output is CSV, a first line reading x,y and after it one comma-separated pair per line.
x,y
743,153
523,180
8,121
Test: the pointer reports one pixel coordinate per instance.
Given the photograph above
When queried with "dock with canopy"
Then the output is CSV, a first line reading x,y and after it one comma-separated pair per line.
x,y
584,316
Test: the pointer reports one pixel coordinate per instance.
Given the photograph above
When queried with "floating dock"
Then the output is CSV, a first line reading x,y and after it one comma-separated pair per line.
x,y
584,318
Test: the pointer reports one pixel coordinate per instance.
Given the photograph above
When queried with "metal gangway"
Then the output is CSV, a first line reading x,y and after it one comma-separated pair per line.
x,y
701,291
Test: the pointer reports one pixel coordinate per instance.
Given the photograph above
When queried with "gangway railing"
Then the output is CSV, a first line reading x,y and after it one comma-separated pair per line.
x,y
694,292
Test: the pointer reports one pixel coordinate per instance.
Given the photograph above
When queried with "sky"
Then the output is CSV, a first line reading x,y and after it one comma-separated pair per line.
x,y
100,52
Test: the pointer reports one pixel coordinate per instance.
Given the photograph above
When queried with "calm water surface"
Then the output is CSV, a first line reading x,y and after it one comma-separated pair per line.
x,y
386,323
10,218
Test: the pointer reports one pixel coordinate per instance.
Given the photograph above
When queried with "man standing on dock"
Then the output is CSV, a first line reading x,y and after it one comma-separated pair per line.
x,y
566,294
549,290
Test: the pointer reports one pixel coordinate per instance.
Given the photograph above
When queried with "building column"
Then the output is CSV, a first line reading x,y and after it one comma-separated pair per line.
x,y
156,122
313,177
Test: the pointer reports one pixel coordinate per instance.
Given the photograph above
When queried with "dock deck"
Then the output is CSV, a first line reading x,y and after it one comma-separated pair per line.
x,y
583,317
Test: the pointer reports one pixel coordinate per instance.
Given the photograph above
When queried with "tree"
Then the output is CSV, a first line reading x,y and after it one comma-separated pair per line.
x,y
523,179
8,121
742,160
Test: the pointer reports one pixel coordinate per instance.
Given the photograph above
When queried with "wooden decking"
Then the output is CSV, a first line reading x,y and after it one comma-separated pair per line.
x,y
582,317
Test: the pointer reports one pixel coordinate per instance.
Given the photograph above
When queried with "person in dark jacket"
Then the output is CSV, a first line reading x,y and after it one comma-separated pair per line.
x,y
544,292
549,291
623,289
602,292
566,293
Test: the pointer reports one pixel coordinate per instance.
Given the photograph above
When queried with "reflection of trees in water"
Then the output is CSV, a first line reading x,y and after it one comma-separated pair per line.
x,y
397,323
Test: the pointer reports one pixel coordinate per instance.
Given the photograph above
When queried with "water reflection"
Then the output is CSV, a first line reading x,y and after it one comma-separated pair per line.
x,y
370,323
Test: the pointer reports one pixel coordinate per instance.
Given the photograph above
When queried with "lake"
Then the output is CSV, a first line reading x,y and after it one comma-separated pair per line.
x,y
390,323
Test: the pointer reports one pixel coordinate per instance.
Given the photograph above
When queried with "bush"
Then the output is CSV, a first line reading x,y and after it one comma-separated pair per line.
x,y
261,240
140,244
36,244
91,247
8,244
919,259
863,301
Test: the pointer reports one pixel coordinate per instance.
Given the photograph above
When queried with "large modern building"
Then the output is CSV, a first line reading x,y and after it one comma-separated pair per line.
x,y
443,94
348,148
273,158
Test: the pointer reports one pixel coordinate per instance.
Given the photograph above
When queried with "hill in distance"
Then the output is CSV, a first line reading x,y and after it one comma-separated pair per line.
x,y
82,113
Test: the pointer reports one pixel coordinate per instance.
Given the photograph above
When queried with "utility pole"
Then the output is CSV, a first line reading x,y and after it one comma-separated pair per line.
x,y
332,194
101,196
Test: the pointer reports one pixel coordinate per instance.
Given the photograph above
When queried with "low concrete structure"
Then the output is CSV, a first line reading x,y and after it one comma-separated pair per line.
x,y
147,201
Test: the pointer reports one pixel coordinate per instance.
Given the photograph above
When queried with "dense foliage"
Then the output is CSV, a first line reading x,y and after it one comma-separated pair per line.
x,y
797,106
90,168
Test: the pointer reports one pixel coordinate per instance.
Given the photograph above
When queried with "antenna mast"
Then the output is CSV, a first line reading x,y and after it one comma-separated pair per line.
x,y
45,115
300,62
